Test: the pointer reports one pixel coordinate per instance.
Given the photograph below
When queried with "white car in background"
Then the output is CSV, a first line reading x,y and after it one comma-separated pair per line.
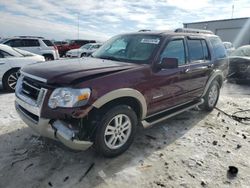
x,y
37,45
229,47
84,51
11,60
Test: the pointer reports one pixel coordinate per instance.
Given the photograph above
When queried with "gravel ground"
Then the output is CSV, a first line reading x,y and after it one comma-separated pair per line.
x,y
193,149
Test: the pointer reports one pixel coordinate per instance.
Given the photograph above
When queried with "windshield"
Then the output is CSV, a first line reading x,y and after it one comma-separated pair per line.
x,y
86,46
242,51
22,52
136,48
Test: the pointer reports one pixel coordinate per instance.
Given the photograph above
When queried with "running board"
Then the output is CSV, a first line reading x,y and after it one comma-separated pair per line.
x,y
148,122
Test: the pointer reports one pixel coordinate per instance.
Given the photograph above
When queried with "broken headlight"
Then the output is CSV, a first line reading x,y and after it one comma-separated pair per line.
x,y
68,97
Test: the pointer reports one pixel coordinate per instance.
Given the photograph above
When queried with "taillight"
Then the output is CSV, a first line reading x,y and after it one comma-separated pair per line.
x,y
55,47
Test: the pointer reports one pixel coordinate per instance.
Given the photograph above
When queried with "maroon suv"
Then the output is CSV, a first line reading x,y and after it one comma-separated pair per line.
x,y
133,79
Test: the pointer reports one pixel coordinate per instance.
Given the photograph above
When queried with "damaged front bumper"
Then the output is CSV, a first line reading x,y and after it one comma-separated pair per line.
x,y
56,130
29,110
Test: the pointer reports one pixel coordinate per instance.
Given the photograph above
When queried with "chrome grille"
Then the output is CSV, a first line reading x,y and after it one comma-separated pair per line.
x,y
30,88
30,95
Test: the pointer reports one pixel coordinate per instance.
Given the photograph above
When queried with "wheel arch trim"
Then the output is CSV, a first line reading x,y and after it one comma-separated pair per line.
x,y
217,73
123,92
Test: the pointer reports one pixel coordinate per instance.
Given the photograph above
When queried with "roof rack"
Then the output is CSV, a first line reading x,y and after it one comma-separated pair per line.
x,y
190,30
30,37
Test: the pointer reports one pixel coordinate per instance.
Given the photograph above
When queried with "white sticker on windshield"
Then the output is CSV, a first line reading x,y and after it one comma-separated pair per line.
x,y
150,41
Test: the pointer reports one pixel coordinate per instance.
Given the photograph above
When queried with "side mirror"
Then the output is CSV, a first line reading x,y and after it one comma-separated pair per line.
x,y
169,63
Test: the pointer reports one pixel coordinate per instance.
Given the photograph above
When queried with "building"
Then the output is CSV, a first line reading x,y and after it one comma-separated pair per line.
x,y
236,31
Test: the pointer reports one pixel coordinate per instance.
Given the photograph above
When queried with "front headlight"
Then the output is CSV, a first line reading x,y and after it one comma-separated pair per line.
x,y
68,97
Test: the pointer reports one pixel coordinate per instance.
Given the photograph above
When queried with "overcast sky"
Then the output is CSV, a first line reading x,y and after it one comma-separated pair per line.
x,y
101,19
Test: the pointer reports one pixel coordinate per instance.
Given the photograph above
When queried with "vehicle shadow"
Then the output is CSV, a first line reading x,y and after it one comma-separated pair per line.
x,y
2,91
43,162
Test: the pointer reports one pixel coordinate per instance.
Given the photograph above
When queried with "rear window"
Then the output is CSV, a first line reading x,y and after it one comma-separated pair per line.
x,y
48,42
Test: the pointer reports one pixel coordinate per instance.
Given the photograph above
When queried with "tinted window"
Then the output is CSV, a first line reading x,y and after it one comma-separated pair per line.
x,y
81,42
15,43
30,42
175,49
195,50
218,47
48,42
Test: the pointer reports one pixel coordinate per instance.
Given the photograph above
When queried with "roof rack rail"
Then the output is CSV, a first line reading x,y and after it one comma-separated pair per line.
x,y
144,30
190,30
30,37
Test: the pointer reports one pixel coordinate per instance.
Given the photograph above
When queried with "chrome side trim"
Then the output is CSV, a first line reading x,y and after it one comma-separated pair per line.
x,y
34,77
147,124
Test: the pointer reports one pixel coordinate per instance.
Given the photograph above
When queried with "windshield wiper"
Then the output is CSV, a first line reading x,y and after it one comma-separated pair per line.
x,y
109,58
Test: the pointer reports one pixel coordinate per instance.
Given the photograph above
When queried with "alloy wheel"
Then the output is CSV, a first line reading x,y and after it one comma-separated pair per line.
x,y
213,95
117,131
12,79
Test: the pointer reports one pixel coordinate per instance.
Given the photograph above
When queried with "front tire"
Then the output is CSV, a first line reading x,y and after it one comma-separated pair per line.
x,y
116,131
10,80
211,97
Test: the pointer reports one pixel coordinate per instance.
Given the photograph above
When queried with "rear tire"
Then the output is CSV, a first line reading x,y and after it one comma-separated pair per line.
x,y
211,97
10,80
115,131
83,55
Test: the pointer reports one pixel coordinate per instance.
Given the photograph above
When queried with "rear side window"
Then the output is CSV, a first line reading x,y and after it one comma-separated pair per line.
x,y
30,42
48,42
198,50
218,48
195,50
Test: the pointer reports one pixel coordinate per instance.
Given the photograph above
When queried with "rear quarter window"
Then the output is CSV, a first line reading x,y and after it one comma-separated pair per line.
x,y
48,42
218,48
